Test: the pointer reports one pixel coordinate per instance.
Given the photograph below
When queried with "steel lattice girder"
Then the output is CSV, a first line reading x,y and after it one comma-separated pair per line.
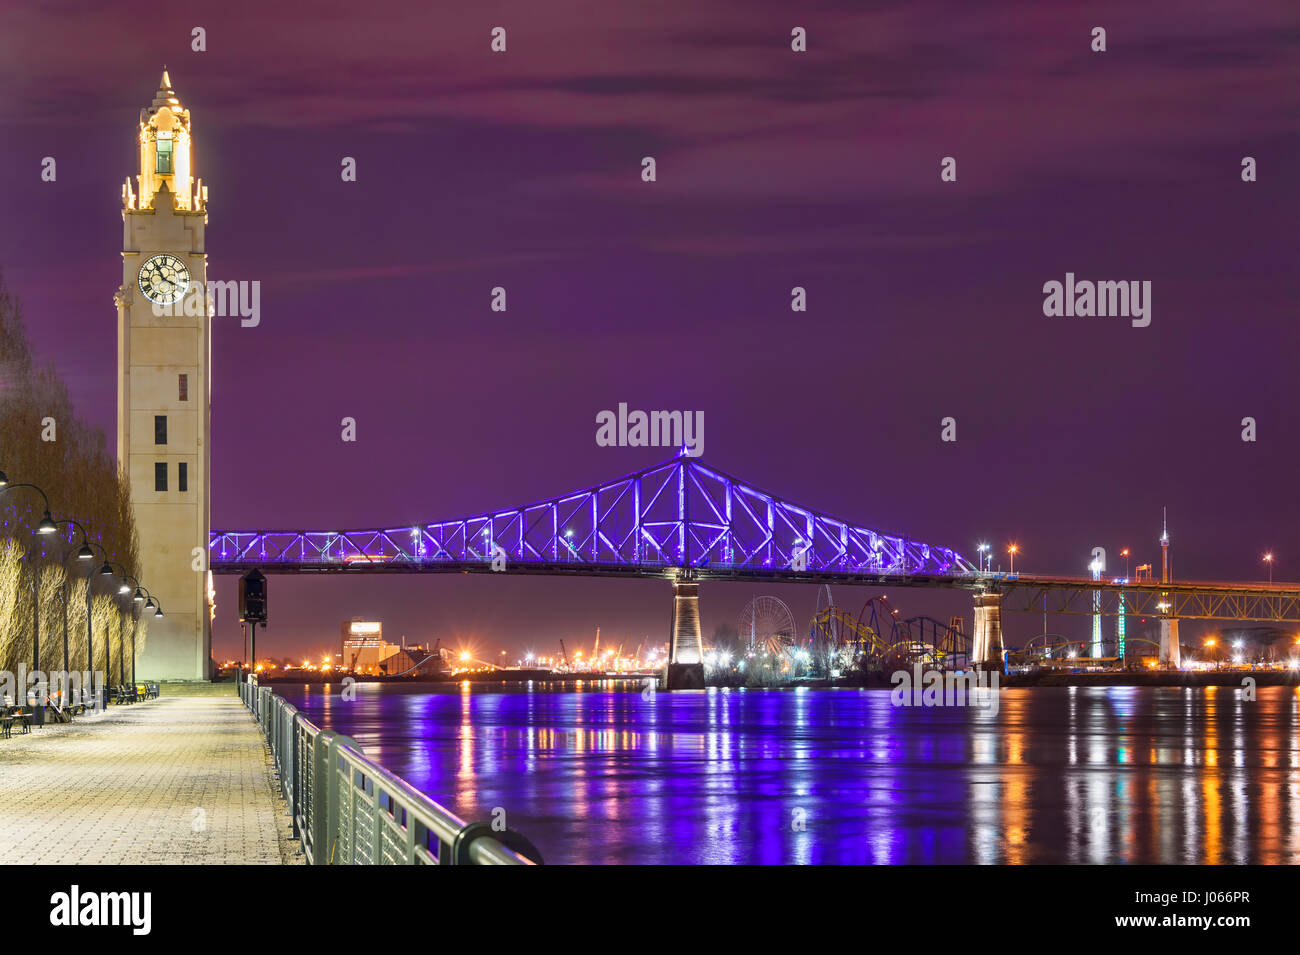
x,y
676,515
1186,600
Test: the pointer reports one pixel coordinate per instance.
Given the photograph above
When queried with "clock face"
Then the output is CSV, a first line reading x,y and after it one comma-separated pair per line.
x,y
164,279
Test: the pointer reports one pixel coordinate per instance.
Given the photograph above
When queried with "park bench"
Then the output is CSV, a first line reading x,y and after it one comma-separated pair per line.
x,y
10,715
58,712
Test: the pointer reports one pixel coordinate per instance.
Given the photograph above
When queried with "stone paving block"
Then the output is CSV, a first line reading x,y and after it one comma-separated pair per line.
x,y
174,780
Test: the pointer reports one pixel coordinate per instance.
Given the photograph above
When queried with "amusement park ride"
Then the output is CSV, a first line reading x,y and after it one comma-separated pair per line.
x,y
836,639
877,638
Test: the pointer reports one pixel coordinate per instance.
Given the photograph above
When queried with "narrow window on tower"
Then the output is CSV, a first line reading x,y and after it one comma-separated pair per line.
x,y
164,167
160,476
160,429
182,477
183,385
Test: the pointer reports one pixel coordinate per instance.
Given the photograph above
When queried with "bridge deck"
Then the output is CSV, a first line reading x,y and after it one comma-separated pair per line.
x,y
173,780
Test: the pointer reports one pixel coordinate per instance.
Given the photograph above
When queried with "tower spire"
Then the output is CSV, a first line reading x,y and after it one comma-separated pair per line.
x,y
1166,571
165,153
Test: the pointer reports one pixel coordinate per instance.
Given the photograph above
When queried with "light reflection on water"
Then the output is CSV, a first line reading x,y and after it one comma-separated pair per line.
x,y
1079,775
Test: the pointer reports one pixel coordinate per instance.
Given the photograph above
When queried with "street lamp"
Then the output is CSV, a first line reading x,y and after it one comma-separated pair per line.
x,y
137,598
1012,551
1268,559
985,549
46,526
1124,554
122,589
82,553
149,604
105,570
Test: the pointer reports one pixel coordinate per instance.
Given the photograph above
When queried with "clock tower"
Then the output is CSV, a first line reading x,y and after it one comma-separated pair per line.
x,y
164,360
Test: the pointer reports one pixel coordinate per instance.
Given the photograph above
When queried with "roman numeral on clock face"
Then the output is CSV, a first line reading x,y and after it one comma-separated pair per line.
x,y
164,279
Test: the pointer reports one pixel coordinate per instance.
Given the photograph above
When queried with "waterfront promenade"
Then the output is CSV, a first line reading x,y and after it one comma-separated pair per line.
x,y
177,780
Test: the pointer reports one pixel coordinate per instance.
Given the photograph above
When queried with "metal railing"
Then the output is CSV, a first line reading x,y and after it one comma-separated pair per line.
x,y
348,810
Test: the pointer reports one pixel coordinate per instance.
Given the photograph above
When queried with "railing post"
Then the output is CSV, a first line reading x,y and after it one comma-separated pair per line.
x,y
285,747
277,714
324,807
413,828
293,768
377,826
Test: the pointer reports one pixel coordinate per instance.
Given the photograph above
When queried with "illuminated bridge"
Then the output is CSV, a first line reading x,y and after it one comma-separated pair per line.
x,y
676,515
686,522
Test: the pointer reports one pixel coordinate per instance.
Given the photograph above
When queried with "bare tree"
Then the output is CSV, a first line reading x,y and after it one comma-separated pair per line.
x,y
43,442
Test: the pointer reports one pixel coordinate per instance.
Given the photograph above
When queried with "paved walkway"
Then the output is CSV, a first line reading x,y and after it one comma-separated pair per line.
x,y
173,780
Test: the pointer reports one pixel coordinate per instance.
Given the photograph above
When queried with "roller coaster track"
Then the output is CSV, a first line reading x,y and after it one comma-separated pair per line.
x,y
879,637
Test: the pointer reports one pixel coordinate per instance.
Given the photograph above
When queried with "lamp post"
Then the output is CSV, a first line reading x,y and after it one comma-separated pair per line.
x,y
157,612
122,589
136,598
1268,559
46,526
1012,551
105,570
149,604
82,553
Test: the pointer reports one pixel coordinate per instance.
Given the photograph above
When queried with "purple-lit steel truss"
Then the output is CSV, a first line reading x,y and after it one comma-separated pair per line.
x,y
676,517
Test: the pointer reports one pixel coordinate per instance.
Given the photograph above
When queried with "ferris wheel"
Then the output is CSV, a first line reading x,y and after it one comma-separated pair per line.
x,y
767,624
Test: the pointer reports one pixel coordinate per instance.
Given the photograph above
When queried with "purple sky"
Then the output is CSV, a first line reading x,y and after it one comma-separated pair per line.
x,y
775,169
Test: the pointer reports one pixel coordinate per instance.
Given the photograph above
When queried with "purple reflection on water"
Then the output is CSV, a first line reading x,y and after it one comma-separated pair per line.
x,y
602,774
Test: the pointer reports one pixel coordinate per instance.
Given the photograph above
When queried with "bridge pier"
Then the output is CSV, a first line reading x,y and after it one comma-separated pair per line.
x,y
986,642
685,669
1171,653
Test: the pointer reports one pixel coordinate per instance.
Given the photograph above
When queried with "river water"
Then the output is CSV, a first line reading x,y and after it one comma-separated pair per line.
x,y
607,774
